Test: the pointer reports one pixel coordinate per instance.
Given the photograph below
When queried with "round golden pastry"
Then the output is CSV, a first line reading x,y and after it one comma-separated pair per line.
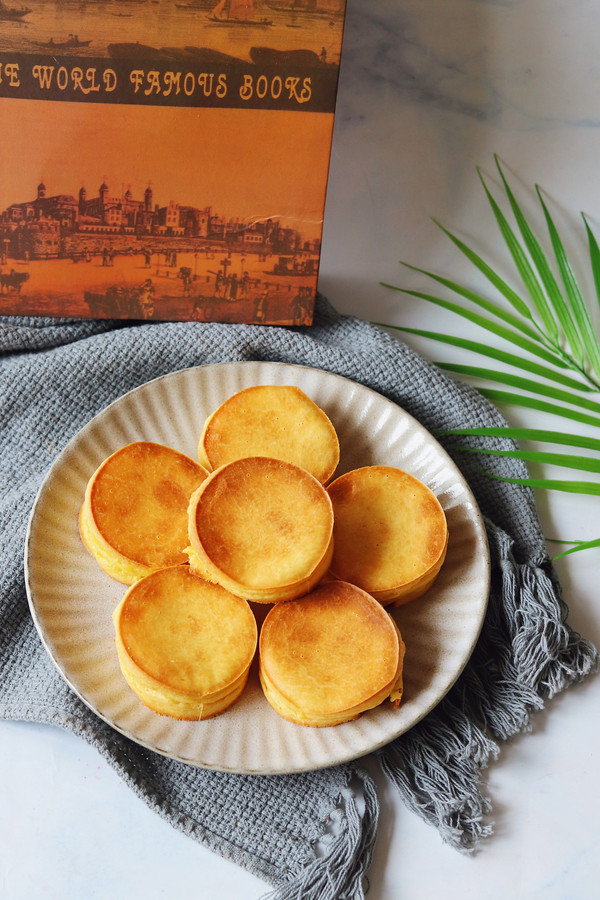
x,y
184,645
328,657
278,421
134,516
390,533
262,528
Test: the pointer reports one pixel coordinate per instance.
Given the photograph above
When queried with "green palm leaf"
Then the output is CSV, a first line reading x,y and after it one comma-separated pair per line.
x,y
480,301
529,434
499,283
488,324
548,330
546,274
525,384
532,403
580,313
594,256
581,545
524,268
565,460
494,353
549,484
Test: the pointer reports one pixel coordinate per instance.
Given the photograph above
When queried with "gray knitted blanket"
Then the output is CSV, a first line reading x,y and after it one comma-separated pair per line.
x,y
57,374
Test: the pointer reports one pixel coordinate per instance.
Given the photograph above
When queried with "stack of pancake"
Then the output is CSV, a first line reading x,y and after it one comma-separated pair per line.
x,y
390,533
259,520
184,645
262,528
134,514
330,656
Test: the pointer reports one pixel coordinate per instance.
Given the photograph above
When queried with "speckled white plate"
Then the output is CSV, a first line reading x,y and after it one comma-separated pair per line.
x,y
72,600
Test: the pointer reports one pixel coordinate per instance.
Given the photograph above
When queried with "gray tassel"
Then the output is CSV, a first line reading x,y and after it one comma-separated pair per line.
x,y
526,653
340,873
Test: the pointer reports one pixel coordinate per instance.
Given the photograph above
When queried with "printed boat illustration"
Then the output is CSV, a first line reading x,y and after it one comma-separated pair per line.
x,y
9,12
72,42
237,12
307,7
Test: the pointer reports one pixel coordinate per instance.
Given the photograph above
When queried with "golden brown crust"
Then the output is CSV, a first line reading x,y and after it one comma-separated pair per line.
x,y
262,528
277,421
185,646
329,656
134,516
390,533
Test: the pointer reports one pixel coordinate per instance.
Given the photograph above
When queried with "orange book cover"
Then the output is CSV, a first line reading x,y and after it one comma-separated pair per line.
x,y
165,160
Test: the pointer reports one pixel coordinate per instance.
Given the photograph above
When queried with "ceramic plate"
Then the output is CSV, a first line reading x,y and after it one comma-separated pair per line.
x,y
72,600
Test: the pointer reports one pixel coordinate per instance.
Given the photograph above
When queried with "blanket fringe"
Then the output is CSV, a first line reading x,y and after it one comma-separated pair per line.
x,y
436,769
525,655
340,873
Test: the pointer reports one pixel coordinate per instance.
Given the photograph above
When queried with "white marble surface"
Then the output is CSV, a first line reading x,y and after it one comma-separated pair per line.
x,y
429,89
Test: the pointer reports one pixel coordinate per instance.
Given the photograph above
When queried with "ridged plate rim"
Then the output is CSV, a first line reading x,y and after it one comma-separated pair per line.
x,y
71,600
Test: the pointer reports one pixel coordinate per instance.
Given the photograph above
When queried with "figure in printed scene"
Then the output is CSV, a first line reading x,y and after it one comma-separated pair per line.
x,y
146,299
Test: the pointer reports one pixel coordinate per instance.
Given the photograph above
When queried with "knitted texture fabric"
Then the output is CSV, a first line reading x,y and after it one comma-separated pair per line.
x,y
56,374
